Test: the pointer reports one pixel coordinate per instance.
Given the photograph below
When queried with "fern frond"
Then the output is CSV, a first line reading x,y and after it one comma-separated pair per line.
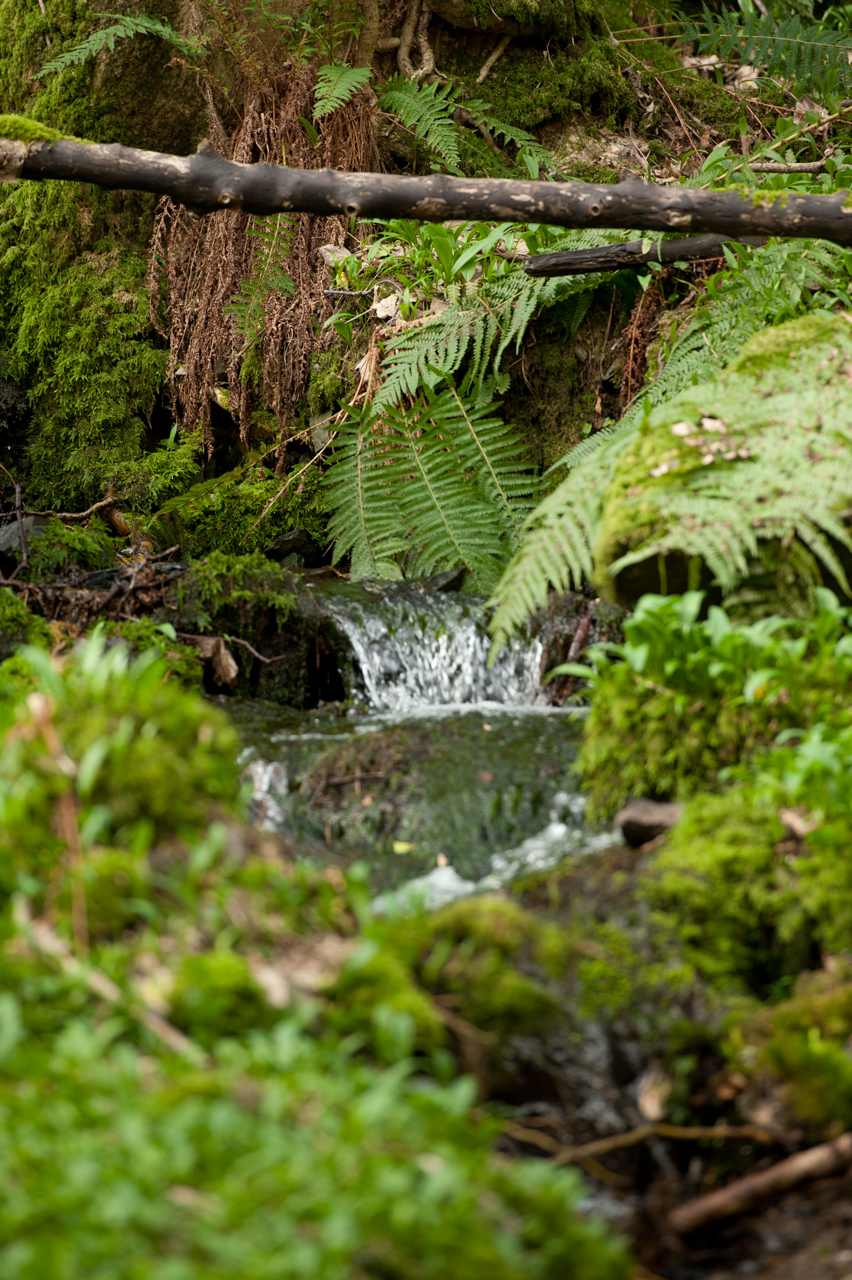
x,y
272,237
482,322
336,84
558,539
441,484
426,109
481,112
804,54
124,28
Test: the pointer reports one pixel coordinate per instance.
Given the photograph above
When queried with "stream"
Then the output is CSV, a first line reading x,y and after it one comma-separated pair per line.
x,y
443,775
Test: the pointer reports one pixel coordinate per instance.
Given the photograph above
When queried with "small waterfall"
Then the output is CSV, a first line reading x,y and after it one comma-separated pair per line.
x,y
418,649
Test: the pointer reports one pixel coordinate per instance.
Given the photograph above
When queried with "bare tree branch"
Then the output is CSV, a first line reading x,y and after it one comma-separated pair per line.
x,y
205,182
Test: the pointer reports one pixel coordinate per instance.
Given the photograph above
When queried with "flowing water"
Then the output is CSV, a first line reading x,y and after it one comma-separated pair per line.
x,y
450,776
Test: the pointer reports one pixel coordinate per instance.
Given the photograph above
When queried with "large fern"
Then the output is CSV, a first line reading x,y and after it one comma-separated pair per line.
x,y
125,27
428,111
272,237
482,322
441,484
776,283
336,84
785,48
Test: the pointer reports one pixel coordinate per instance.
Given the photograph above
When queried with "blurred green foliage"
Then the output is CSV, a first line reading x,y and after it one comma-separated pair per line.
x,y
281,1150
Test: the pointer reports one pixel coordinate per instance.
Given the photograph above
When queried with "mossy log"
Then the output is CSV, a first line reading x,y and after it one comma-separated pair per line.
x,y
206,181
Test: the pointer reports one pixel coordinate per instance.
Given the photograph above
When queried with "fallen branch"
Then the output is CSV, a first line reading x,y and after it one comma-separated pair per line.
x,y
206,181
492,58
71,517
617,257
745,1193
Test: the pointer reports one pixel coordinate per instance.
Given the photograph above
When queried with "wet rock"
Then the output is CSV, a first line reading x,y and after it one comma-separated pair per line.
x,y
295,542
644,820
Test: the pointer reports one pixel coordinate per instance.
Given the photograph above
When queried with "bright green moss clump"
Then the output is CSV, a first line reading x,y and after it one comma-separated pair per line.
x,y
22,129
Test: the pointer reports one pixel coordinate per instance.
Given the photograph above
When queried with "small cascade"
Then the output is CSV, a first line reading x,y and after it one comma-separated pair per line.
x,y
418,649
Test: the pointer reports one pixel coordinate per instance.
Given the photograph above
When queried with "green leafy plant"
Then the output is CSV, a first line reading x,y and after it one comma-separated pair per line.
x,y
786,47
441,484
704,694
335,85
125,27
427,110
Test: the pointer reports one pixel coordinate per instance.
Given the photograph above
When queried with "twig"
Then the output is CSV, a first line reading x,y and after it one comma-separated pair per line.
x,y
682,1133
492,58
743,1194
804,166
683,124
70,517
19,513
282,657
43,938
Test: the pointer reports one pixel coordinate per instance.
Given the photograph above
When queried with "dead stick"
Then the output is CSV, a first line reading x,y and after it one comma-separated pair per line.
x,y
20,517
206,182
492,58
618,257
745,1193
69,517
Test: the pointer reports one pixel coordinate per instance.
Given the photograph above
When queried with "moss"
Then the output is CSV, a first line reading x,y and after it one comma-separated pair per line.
x,y
58,546
732,900
143,634
74,323
117,886
380,978
22,129
16,680
236,513
801,1046
127,722
215,995
18,625
234,584
526,93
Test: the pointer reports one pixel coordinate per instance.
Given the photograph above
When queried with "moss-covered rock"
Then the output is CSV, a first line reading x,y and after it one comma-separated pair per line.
x,y
260,602
58,547
74,322
737,469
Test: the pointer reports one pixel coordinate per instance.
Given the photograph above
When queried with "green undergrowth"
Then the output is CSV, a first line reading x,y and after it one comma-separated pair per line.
x,y
301,1120
56,547
238,513
226,589
690,486
19,625
703,694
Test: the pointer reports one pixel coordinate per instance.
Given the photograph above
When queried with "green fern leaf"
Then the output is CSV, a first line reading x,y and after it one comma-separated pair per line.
x,y
125,27
426,109
787,48
438,485
336,84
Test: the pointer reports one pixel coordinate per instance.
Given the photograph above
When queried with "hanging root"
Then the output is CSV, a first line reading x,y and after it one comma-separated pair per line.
x,y
406,37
